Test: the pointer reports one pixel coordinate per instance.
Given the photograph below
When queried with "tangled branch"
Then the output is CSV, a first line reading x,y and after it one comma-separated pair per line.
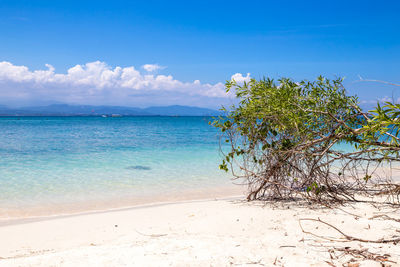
x,y
309,139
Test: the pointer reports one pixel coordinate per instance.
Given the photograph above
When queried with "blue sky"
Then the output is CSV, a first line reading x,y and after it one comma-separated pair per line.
x,y
207,41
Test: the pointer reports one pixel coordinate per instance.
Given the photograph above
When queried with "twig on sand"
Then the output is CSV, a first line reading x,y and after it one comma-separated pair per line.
x,y
251,262
363,254
348,238
385,217
151,235
330,264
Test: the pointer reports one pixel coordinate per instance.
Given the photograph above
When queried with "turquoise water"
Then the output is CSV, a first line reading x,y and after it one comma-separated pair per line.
x,y
67,160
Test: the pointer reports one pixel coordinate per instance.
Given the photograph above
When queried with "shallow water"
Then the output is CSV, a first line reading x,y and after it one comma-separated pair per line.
x,y
72,160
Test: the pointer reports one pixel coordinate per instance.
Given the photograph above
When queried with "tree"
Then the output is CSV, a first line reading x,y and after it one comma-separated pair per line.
x,y
308,139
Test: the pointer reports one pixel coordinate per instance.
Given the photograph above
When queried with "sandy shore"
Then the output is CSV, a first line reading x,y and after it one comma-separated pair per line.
x,y
50,208
225,232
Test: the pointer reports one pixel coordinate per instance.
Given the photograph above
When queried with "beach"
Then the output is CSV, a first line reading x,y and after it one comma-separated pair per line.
x,y
147,191
213,232
199,133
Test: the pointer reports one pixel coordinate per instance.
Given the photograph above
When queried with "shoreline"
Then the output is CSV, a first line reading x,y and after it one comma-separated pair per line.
x,y
17,221
81,208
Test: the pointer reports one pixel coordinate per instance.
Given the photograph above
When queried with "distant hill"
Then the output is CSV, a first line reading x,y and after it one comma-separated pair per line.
x,y
181,111
87,110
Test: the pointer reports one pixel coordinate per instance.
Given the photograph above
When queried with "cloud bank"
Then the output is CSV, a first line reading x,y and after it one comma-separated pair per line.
x,y
100,84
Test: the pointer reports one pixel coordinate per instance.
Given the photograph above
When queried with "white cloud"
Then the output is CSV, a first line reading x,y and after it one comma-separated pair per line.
x,y
98,83
239,78
152,67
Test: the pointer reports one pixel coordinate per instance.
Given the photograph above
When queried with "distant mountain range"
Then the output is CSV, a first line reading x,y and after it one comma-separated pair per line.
x,y
85,110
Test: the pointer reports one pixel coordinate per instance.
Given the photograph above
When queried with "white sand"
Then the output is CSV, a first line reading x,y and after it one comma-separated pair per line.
x,y
199,233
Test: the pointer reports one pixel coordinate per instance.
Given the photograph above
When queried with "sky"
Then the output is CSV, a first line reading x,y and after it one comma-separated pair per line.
x,y
146,53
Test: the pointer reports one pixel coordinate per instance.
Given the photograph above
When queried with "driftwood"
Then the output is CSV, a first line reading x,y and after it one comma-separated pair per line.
x,y
362,254
357,254
347,238
384,217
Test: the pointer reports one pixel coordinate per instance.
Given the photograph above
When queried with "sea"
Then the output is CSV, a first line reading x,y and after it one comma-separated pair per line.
x,y
63,165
